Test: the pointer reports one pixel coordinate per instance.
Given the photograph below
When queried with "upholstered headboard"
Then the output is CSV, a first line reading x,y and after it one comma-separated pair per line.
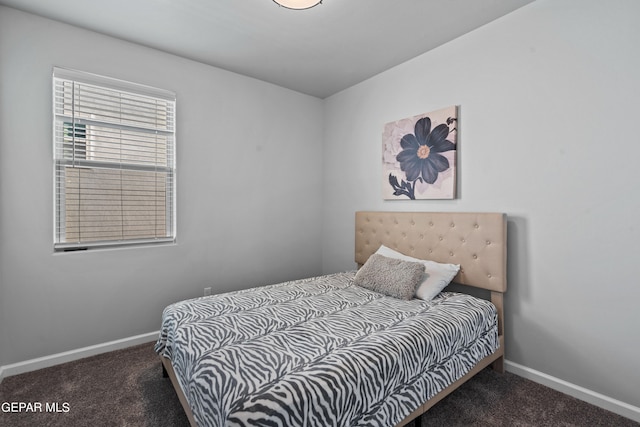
x,y
476,241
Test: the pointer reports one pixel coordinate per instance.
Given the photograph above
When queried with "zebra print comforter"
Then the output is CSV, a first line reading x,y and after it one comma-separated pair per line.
x,y
320,352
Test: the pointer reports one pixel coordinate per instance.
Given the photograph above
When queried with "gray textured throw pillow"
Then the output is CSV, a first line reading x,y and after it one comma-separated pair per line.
x,y
389,276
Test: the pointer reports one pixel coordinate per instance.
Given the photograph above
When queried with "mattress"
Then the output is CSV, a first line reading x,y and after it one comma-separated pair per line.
x,y
320,352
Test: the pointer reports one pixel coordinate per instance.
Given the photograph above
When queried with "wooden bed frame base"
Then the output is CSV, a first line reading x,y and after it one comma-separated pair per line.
x,y
495,359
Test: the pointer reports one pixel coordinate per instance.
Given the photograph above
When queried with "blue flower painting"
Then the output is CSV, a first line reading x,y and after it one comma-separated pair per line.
x,y
419,156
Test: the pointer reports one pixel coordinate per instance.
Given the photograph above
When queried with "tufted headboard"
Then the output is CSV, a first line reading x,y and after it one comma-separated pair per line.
x,y
476,241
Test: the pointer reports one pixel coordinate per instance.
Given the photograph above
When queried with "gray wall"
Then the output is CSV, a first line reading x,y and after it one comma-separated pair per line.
x,y
549,105
249,179
548,100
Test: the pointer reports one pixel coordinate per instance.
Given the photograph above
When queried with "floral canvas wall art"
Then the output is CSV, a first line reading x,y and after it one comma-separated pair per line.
x,y
419,156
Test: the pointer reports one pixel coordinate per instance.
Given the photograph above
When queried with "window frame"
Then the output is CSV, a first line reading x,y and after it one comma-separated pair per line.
x,y
165,172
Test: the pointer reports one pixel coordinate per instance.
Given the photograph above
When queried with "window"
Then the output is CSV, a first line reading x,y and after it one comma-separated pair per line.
x,y
114,162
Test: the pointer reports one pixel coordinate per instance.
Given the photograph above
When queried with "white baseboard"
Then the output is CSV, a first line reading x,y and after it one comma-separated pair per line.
x,y
589,396
69,356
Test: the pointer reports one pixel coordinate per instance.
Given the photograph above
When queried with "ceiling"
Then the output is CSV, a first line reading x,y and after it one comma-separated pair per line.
x,y
318,51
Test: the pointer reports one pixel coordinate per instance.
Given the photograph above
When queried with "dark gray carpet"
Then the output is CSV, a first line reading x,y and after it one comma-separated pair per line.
x,y
126,388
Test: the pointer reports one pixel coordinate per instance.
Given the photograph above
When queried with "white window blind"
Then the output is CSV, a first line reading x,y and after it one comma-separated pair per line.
x,y
114,162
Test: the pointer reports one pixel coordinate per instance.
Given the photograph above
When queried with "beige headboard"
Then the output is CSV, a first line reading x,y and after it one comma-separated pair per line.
x,y
476,241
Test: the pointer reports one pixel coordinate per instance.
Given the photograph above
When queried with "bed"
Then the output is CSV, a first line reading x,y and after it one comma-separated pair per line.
x,y
325,351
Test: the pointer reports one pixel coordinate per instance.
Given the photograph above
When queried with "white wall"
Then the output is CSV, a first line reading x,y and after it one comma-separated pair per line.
x,y
548,133
249,178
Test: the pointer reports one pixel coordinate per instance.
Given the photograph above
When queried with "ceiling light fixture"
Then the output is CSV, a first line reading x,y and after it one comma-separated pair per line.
x,y
298,4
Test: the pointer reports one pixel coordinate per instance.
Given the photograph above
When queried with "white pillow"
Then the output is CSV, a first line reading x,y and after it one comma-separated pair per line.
x,y
436,275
